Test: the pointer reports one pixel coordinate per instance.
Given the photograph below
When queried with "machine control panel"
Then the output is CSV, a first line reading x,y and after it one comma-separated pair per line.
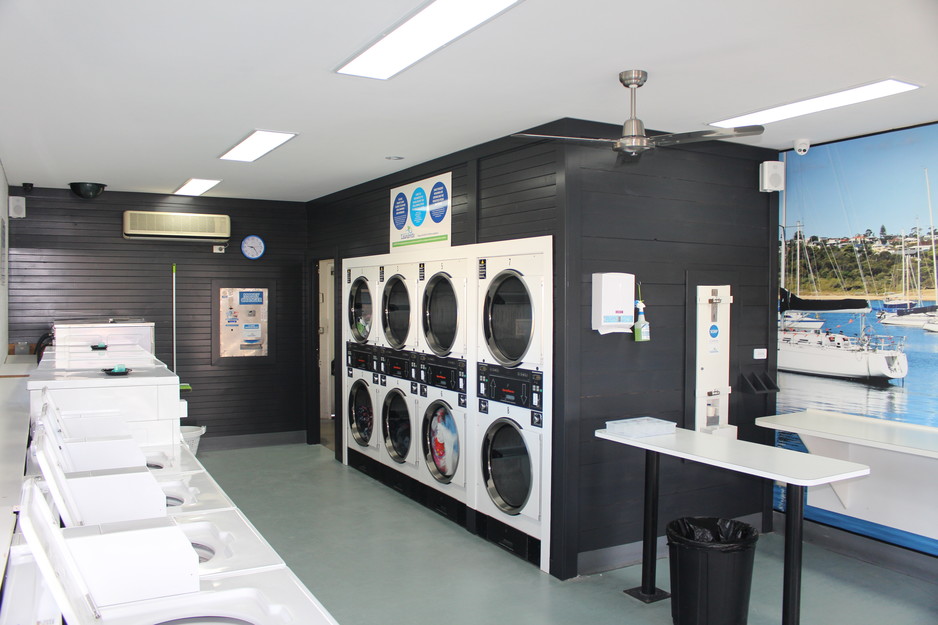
x,y
360,357
518,387
402,365
445,373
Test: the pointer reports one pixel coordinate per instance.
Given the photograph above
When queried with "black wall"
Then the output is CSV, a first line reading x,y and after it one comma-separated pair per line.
x,y
68,259
678,218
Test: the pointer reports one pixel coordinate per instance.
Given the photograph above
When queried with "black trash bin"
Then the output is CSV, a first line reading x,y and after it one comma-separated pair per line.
x,y
711,570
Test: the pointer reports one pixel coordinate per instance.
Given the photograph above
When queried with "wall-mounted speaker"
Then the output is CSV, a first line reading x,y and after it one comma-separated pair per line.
x,y
17,207
772,176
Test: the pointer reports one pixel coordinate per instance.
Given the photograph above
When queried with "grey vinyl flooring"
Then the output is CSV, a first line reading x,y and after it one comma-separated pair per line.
x,y
373,556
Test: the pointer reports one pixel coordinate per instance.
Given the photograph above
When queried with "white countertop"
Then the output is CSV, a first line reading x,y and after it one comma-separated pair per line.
x,y
784,465
910,438
89,378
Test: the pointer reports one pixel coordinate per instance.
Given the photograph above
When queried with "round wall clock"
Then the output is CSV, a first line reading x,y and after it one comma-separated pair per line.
x,y
252,246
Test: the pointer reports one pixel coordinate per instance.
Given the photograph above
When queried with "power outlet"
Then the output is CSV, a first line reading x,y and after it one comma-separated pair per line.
x,y
218,249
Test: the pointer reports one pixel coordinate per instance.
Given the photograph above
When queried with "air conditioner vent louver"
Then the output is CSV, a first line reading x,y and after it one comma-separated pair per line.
x,y
177,226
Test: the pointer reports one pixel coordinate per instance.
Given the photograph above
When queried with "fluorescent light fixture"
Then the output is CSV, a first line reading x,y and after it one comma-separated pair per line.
x,y
258,143
196,186
873,91
434,26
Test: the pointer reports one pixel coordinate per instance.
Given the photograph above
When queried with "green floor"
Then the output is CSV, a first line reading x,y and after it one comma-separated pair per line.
x,y
373,556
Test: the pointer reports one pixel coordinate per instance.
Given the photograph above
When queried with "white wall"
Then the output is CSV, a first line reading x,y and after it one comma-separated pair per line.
x,y
4,264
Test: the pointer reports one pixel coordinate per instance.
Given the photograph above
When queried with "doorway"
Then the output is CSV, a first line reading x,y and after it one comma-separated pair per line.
x,y
327,365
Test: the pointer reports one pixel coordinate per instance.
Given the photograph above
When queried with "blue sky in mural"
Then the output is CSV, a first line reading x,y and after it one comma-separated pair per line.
x,y
845,188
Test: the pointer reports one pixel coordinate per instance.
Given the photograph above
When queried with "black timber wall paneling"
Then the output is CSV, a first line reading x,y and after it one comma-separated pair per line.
x,y
678,216
679,210
68,259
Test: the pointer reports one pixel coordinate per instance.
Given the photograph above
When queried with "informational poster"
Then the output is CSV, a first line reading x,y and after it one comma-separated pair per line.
x,y
421,213
243,316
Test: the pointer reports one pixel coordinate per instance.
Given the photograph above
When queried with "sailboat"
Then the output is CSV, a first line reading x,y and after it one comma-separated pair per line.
x,y
917,316
824,353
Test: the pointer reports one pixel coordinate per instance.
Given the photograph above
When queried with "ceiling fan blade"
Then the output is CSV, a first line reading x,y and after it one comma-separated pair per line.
x,y
581,140
706,135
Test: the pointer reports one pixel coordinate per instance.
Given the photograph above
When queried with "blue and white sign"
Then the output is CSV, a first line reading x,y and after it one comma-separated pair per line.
x,y
246,298
410,207
714,331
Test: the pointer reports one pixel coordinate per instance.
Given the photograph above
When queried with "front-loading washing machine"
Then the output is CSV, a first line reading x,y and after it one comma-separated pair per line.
x,y
444,328
397,406
361,380
445,429
360,293
513,309
513,386
397,282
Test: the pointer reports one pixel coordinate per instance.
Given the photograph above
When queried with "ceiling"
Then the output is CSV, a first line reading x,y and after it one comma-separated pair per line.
x,y
143,96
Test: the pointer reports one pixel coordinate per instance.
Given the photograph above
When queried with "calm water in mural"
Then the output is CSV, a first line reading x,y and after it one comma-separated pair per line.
x,y
913,399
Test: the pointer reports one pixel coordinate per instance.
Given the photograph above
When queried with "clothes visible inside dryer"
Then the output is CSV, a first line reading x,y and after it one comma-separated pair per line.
x,y
508,318
395,312
441,445
360,310
361,413
506,466
440,314
395,418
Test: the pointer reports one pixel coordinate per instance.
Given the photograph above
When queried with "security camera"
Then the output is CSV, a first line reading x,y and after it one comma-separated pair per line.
x,y
802,146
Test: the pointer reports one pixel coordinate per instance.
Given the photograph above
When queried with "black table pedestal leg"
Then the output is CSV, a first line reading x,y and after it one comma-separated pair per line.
x,y
647,591
794,525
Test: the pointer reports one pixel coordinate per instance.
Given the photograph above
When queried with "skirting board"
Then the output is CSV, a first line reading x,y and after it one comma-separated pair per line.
x,y
214,443
609,558
892,557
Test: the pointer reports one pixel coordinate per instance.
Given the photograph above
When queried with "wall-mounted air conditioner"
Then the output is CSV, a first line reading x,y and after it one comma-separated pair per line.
x,y
177,226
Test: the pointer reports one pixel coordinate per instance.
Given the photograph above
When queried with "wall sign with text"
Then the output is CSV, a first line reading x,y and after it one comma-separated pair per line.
x,y
421,213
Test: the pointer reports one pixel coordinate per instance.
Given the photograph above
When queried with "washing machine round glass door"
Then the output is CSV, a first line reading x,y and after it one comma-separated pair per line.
x,y
440,441
359,310
395,419
395,312
507,318
440,314
361,414
506,466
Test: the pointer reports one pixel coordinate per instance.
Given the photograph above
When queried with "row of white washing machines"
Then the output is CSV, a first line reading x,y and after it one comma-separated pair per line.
x,y
119,523
447,381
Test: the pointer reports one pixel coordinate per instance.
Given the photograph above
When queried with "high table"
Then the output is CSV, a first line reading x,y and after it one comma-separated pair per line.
x,y
795,469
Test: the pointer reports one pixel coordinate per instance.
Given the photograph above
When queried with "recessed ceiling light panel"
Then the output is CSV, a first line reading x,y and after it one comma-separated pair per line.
x,y
865,93
258,143
196,186
434,26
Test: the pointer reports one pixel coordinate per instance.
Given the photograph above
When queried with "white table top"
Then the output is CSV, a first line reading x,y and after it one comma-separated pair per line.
x,y
910,438
784,465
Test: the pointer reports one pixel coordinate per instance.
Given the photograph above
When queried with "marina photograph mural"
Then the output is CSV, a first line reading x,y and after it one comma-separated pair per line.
x,y
858,329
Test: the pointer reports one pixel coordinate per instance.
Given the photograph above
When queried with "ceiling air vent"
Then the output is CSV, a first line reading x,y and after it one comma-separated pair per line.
x,y
177,226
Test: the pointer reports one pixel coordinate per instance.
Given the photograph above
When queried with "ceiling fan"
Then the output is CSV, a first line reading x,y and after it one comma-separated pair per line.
x,y
634,141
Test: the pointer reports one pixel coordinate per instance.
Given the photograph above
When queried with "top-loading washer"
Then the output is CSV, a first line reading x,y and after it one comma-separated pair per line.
x,y
397,282
443,298
513,308
95,581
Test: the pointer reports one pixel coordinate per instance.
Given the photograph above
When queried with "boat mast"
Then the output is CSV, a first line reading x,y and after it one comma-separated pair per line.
x,y
931,224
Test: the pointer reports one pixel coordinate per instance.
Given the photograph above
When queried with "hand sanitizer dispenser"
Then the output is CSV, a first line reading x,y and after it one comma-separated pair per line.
x,y
613,302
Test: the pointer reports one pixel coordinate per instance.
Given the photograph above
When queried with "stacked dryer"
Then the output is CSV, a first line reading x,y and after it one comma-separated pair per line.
x,y
513,374
442,408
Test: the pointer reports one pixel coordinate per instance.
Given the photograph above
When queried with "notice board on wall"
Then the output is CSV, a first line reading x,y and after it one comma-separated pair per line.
x,y
242,322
